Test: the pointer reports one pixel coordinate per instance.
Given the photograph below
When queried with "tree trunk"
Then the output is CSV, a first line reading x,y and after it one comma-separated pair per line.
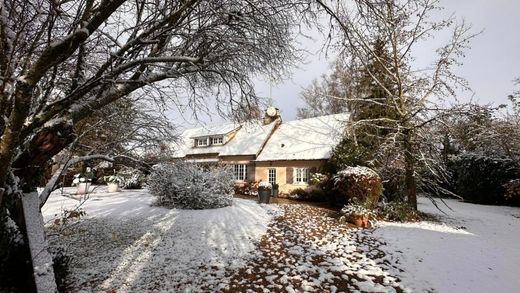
x,y
25,267
411,188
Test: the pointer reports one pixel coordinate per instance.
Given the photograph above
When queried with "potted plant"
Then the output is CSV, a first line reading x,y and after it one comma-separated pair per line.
x,y
274,192
264,192
357,214
113,182
82,183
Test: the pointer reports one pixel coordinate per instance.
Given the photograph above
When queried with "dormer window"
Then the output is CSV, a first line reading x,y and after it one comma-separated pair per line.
x,y
217,140
201,141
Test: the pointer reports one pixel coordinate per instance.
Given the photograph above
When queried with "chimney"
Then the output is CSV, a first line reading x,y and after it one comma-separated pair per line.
x,y
271,114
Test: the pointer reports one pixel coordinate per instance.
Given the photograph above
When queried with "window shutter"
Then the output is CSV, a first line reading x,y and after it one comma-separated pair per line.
x,y
250,172
289,176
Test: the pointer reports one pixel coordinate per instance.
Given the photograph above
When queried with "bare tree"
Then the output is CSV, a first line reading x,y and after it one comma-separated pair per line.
x,y
412,92
60,61
327,95
126,127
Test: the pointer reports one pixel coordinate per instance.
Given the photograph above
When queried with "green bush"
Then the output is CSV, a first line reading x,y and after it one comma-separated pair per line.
x,y
246,188
358,183
346,154
482,180
397,211
310,193
393,183
323,185
512,192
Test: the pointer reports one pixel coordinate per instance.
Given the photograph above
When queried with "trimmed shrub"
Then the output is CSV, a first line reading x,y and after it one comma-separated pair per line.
x,y
190,186
358,184
481,179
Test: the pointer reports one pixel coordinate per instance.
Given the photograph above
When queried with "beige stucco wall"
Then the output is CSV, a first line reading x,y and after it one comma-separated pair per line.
x,y
258,171
261,172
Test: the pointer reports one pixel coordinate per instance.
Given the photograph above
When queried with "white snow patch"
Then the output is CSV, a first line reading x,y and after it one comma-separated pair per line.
x,y
476,251
125,244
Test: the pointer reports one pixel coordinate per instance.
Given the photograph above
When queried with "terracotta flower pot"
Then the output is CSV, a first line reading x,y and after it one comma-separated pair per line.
x,y
359,220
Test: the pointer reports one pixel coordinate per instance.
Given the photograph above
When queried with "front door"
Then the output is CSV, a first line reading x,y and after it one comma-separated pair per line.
x,y
271,175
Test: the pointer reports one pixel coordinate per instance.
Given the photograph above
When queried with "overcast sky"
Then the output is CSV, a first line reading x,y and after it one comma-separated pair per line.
x,y
490,66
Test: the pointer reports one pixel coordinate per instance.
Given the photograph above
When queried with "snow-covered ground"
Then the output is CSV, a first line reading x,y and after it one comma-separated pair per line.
x,y
126,244
477,249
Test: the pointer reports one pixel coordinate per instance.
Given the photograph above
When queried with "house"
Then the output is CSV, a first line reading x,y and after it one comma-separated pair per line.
x,y
270,150
238,145
298,148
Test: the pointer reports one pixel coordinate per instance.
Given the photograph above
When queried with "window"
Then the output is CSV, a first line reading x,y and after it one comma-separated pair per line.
x,y
271,175
240,172
217,140
201,141
302,175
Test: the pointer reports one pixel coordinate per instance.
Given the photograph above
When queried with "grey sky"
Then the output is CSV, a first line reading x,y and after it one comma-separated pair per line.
x,y
490,66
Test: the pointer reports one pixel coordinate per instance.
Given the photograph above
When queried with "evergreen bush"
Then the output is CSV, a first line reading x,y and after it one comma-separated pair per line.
x,y
361,184
346,153
190,186
481,179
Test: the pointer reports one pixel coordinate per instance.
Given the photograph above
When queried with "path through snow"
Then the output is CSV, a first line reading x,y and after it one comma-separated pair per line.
x,y
307,250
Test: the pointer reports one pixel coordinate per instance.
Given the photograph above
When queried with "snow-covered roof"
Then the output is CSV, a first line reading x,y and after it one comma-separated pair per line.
x,y
306,139
208,160
248,140
212,131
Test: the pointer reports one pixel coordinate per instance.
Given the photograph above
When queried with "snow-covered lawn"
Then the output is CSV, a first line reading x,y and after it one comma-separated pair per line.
x,y
127,245
477,249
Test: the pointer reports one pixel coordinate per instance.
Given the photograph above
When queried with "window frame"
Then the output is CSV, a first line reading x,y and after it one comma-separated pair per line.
x,y
199,140
240,172
300,174
217,140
